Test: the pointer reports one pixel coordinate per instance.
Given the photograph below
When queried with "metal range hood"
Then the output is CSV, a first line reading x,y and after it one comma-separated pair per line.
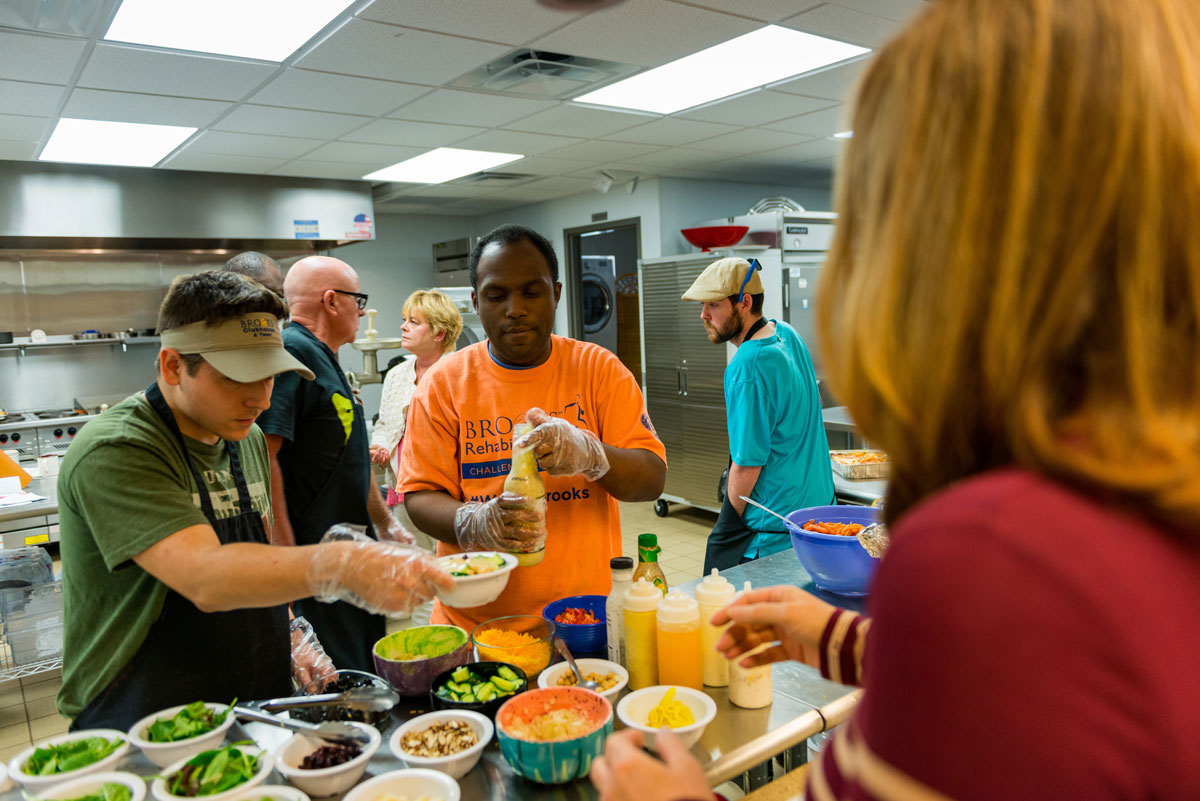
x,y
65,207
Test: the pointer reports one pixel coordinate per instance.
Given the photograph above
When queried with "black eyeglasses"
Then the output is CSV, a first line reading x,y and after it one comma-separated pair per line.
x,y
359,297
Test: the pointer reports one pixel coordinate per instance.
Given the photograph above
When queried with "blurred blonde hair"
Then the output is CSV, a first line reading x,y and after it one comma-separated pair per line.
x,y
439,311
1015,277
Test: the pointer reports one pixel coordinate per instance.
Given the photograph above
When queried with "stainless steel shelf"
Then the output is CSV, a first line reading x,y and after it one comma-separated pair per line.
x,y
71,343
45,666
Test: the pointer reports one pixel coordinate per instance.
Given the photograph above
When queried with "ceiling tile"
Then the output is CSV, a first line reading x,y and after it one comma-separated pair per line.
x,y
321,91
312,168
671,131
374,50
764,10
845,25
371,157
30,57
835,83
751,140
456,191
645,32
97,104
899,10
37,99
541,165
603,151
527,144
280,148
826,122
469,108
412,134
513,22
571,120
18,151
674,157
248,118
14,127
221,162
755,108
808,151
138,70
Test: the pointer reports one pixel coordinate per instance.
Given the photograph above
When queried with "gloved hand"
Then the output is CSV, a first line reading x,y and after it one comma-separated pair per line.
x,y
390,530
380,577
309,660
508,522
562,449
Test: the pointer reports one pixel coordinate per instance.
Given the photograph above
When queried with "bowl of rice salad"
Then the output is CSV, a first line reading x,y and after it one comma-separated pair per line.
x,y
521,640
552,735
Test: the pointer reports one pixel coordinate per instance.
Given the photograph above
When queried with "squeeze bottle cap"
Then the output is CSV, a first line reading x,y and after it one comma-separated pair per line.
x,y
715,590
642,596
678,607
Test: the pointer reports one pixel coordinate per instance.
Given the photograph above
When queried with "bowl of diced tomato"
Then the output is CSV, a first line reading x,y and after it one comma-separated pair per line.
x,y
579,621
824,539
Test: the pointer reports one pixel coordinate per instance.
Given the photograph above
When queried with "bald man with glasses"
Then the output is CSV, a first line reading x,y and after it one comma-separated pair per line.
x,y
317,441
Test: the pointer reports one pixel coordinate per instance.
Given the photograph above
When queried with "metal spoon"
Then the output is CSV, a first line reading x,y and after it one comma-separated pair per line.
x,y
331,731
363,699
580,681
874,538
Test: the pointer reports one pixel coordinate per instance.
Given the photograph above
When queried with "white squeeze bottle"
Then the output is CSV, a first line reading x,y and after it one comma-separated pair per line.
x,y
614,611
715,592
750,688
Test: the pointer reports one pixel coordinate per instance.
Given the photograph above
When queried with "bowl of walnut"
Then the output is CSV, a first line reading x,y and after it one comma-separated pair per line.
x,y
448,740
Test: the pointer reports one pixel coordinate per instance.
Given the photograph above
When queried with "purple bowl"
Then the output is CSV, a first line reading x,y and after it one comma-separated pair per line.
x,y
412,658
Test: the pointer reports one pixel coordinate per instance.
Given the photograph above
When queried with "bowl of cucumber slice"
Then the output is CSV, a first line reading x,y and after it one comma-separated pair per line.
x,y
479,577
481,687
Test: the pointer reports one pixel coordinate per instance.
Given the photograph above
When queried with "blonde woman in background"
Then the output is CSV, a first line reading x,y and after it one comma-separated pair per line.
x,y
1018,222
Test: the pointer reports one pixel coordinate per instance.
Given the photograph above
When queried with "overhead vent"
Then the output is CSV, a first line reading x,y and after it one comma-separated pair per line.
x,y
542,74
497,178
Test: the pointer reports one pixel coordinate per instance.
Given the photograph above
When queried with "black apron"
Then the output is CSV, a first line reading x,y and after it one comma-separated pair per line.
x,y
190,655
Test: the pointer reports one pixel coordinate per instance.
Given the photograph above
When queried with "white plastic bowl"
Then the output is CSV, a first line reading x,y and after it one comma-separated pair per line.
x,y
278,792
38,784
477,590
159,787
549,677
455,765
411,784
163,754
86,785
634,709
323,781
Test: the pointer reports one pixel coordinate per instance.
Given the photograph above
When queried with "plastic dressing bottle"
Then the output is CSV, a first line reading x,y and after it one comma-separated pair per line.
x,y
641,636
622,578
679,640
750,688
648,568
715,592
523,479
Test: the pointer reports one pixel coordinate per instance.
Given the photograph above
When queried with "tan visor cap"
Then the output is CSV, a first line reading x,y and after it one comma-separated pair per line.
x,y
248,348
721,279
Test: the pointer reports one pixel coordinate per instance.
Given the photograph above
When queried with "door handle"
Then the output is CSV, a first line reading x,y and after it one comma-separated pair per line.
x,y
678,380
685,381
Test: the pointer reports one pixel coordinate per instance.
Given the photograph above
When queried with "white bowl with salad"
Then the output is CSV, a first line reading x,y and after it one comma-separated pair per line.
x,y
182,731
107,786
272,792
67,756
242,765
479,577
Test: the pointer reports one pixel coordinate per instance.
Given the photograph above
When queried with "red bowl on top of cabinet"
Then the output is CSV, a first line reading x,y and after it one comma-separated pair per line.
x,y
714,236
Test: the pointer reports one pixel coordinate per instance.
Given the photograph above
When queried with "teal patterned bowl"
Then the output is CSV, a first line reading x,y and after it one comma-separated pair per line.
x,y
554,761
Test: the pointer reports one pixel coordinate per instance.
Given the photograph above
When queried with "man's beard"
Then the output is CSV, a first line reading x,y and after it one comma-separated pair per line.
x,y
731,328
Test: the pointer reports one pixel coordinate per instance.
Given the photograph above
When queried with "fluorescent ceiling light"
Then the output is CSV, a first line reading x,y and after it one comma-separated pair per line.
x,y
268,30
843,135
758,58
130,144
441,165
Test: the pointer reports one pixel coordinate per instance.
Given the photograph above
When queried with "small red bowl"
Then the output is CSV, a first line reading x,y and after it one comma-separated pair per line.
x,y
714,236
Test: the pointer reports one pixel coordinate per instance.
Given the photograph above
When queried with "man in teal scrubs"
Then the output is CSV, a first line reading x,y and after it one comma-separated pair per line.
x,y
778,450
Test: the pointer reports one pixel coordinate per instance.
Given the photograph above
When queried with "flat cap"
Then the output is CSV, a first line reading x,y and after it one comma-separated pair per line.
x,y
723,278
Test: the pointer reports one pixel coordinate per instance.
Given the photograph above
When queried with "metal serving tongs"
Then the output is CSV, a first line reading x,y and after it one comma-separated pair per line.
x,y
362,699
874,537
331,731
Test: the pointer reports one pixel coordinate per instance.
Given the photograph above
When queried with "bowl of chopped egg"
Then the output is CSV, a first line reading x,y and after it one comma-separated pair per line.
x,y
479,577
414,784
449,741
552,735
521,640
580,622
686,712
611,677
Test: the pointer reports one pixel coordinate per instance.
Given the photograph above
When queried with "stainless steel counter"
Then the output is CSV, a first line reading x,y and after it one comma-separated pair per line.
x,y
837,418
32,523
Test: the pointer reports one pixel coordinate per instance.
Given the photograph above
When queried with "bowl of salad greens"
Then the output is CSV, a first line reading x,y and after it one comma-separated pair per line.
x,y
107,786
215,775
479,577
67,756
181,731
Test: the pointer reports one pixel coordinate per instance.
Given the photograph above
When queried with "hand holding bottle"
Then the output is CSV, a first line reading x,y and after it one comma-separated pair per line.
x,y
508,522
562,449
785,615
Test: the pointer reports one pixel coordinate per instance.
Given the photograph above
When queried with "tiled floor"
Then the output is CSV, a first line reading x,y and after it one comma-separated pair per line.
x,y
27,712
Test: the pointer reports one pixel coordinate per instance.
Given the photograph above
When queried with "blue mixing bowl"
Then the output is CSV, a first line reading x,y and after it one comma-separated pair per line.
x,y
837,564
584,639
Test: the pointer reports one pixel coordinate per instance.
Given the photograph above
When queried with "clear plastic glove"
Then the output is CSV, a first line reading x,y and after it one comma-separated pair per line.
x,y
380,455
309,660
381,577
508,522
562,449
390,530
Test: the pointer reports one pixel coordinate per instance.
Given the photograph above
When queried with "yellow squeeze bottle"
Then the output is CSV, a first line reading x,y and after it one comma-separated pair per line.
x,y
523,479
679,660
714,593
641,635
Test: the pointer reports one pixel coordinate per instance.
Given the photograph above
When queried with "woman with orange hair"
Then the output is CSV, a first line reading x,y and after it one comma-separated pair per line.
x,y
1019,212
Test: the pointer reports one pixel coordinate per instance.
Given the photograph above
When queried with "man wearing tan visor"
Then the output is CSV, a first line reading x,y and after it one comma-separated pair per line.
x,y
170,590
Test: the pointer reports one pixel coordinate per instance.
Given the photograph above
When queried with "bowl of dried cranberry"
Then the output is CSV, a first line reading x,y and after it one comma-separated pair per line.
x,y
580,622
320,768
339,682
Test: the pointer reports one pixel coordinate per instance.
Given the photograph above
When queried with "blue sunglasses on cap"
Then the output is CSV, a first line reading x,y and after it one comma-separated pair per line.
x,y
754,265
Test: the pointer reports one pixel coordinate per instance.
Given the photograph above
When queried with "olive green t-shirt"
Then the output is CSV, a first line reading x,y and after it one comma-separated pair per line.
x,y
124,486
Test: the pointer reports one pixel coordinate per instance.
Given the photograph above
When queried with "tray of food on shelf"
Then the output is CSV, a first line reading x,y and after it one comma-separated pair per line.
x,y
859,464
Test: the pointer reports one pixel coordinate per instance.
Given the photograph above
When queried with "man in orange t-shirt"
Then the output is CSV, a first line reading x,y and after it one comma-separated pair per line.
x,y
594,440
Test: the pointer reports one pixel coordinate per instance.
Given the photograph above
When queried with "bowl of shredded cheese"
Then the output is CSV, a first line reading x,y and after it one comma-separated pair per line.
x,y
552,735
686,712
521,640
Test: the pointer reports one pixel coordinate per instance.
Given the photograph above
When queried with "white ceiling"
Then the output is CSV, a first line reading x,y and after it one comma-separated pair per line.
x,y
371,89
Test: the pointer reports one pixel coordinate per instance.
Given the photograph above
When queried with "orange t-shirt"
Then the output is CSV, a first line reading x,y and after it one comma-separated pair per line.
x,y
459,440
